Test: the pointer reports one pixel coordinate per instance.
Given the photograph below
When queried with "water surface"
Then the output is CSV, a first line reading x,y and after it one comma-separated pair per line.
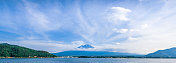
x,y
87,60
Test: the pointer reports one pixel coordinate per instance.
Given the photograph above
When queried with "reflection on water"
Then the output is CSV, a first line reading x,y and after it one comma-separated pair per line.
x,y
87,60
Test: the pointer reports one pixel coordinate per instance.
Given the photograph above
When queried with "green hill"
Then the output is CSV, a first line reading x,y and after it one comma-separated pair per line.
x,y
7,50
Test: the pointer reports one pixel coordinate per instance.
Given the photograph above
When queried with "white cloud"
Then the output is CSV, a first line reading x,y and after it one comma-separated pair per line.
x,y
120,30
117,43
78,43
155,30
118,14
132,38
132,30
144,26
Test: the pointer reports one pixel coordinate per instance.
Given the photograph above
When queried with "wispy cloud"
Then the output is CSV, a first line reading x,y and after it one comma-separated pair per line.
x,y
140,26
38,20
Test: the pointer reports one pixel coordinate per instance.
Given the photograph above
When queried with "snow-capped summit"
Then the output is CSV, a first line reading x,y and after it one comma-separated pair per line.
x,y
86,46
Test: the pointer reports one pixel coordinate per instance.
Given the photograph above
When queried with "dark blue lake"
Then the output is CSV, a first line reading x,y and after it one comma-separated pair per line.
x,y
86,60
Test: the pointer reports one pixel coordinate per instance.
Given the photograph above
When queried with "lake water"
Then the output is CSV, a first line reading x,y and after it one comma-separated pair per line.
x,y
87,60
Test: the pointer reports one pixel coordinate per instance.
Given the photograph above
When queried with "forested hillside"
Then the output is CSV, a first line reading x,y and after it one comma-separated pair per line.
x,y
7,50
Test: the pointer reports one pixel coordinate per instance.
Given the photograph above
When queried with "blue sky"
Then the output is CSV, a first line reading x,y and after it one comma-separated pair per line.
x,y
133,26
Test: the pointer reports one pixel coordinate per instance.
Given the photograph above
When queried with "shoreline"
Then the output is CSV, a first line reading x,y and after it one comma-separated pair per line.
x,y
95,57
28,57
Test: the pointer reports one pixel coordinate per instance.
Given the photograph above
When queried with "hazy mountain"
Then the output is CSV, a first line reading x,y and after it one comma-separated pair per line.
x,y
7,50
163,53
91,53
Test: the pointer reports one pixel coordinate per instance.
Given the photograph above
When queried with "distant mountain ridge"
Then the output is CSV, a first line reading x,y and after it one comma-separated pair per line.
x,y
8,50
92,53
163,53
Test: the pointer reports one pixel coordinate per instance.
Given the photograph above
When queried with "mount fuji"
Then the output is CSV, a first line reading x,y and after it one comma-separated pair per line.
x,y
86,46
